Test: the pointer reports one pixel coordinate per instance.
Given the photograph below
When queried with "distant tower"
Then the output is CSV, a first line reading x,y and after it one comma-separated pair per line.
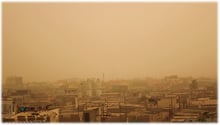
x,y
98,87
103,77
103,80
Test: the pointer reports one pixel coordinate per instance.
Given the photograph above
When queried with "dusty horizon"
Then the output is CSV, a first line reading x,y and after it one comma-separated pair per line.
x,y
108,79
51,41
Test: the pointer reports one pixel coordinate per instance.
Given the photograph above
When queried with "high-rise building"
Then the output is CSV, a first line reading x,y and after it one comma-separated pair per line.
x,y
14,82
86,88
91,87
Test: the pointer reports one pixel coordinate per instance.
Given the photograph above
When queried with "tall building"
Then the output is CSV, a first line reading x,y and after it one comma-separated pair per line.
x,y
14,82
86,89
91,87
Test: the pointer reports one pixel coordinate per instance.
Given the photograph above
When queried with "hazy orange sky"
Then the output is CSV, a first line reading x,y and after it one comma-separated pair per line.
x,y
51,41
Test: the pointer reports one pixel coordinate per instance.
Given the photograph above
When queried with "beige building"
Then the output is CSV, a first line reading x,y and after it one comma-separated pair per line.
x,y
171,101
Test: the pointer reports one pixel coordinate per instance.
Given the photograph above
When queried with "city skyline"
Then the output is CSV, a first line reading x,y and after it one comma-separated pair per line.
x,y
128,62
107,79
50,41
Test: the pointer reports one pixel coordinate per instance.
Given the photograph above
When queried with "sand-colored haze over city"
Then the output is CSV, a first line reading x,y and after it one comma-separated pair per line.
x,y
52,41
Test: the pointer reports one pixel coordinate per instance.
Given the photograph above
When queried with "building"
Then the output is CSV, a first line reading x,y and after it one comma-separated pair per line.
x,y
205,103
91,87
119,88
170,101
8,105
185,117
92,115
86,88
33,116
14,82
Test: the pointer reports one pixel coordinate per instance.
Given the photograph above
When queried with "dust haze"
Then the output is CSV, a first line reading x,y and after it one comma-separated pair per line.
x,y
109,62
51,41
